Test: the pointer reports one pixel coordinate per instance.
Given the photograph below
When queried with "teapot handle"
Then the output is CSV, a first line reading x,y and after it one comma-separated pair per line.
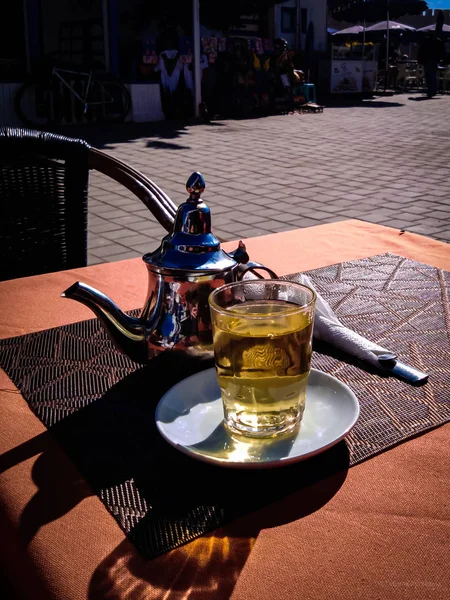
x,y
242,269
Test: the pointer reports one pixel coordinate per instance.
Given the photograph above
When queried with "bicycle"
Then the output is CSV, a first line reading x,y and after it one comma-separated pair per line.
x,y
71,96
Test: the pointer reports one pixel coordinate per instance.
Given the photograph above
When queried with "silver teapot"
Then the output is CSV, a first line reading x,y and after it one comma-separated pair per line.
x,y
182,272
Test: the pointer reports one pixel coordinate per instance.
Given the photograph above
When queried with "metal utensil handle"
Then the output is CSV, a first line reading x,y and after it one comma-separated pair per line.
x,y
250,266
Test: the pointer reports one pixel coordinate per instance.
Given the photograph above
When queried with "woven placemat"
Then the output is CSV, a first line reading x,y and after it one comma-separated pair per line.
x,y
100,405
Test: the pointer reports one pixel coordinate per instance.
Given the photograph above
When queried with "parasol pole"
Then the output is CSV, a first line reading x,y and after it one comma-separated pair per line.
x,y
364,30
387,45
196,43
364,43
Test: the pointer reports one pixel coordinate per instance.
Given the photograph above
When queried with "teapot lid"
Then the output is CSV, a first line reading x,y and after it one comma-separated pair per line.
x,y
191,246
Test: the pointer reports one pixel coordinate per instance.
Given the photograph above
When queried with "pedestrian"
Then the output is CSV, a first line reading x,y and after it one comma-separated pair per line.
x,y
431,52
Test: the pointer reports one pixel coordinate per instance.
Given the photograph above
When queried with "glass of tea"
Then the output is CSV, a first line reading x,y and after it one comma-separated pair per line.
x,y
262,332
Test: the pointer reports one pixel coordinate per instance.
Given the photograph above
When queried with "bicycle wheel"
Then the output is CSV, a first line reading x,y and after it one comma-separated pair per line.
x,y
38,104
108,101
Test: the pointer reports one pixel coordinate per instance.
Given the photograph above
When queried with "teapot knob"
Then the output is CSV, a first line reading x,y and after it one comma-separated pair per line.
x,y
195,186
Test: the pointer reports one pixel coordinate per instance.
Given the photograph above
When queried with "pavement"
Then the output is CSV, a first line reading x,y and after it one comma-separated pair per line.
x,y
383,160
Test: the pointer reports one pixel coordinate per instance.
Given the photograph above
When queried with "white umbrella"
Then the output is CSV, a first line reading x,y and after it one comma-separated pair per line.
x,y
432,27
391,26
350,30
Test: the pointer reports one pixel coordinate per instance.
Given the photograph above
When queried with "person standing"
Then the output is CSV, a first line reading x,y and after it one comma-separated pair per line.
x,y
431,51
283,68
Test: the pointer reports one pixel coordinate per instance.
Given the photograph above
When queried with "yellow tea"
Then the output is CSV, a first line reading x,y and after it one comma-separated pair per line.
x,y
263,363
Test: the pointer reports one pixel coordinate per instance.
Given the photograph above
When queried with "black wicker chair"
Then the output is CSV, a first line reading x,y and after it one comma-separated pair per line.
x,y
44,199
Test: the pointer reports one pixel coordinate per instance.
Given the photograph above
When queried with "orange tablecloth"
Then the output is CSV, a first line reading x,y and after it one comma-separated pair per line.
x,y
381,530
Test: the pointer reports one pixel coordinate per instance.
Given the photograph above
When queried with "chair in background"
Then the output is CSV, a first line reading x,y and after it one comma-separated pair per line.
x,y
407,77
44,200
421,77
444,79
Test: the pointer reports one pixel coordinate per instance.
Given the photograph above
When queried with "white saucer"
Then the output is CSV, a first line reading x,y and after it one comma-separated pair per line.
x,y
190,417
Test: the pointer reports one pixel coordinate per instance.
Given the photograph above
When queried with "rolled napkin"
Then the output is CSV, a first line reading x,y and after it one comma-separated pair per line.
x,y
328,329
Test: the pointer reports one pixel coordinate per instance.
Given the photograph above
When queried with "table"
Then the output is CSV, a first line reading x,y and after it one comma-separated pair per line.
x,y
380,530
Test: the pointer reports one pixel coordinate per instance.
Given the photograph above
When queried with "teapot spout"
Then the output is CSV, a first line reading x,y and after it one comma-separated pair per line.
x,y
128,333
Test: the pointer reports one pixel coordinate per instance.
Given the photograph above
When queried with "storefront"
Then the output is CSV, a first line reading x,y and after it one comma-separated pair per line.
x,y
162,52
153,58
239,74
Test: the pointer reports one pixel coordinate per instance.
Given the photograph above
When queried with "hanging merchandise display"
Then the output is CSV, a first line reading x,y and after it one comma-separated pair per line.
x,y
188,72
187,62
222,44
240,76
150,56
170,67
210,47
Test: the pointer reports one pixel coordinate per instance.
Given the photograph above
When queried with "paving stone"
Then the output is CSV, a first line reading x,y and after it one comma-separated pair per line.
x,y
438,214
105,251
94,260
409,217
425,204
336,193
125,255
96,220
124,203
280,227
225,236
102,227
355,197
134,240
334,219
344,203
305,222
430,222
316,214
410,193
246,231
93,203
444,208
103,208
143,248
97,241
288,218
439,193
422,229
112,214
268,212
397,224
310,205
150,227
272,224
414,210
368,190
278,195
247,219
127,219
217,209
100,195
123,232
